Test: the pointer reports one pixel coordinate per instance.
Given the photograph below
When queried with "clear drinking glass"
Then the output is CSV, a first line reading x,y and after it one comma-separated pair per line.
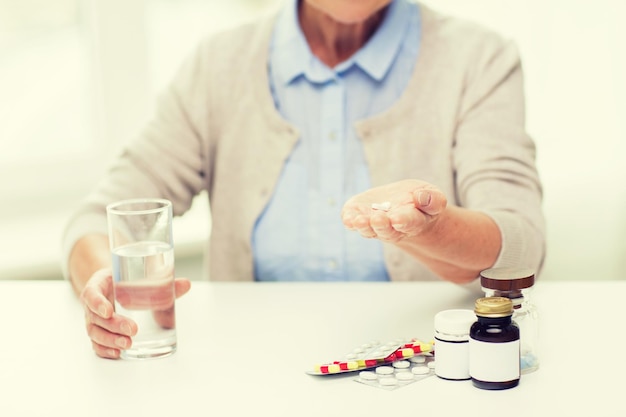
x,y
140,236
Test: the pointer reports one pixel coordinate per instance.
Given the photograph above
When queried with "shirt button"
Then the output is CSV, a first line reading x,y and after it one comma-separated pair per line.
x,y
332,264
331,202
332,135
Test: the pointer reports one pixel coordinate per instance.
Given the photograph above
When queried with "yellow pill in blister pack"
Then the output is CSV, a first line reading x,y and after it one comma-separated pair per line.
x,y
407,352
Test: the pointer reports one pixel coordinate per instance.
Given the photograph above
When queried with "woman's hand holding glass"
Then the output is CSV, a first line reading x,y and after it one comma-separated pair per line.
x,y
110,332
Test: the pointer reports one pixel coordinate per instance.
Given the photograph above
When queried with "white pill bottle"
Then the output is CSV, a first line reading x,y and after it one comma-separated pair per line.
x,y
452,328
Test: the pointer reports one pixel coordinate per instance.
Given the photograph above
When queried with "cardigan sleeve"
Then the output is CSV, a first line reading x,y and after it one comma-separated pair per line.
x,y
494,157
165,160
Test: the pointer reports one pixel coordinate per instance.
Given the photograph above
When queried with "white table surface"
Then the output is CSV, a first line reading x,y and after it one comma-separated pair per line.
x,y
244,349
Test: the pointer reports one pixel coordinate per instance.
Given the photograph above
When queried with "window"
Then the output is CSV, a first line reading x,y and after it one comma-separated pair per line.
x,y
45,105
77,79
47,126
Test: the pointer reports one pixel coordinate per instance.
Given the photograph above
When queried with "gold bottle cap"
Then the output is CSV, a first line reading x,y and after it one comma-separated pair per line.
x,y
493,307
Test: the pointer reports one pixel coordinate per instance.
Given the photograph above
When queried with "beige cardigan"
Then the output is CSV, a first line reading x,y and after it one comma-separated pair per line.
x,y
459,125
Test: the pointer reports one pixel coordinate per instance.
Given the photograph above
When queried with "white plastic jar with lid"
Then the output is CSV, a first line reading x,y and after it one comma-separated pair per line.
x,y
452,329
516,284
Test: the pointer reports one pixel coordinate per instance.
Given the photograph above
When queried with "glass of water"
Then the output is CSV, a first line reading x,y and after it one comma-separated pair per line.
x,y
140,236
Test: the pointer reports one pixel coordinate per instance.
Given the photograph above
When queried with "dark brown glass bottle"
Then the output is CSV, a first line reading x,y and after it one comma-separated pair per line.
x,y
494,345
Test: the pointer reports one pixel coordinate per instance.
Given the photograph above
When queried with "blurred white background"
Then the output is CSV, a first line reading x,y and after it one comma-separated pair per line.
x,y
79,77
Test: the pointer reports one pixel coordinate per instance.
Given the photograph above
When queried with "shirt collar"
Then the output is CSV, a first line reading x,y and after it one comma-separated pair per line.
x,y
377,56
291,56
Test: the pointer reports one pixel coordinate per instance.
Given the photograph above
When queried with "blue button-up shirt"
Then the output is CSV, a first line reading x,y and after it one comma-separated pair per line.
x,y
300,236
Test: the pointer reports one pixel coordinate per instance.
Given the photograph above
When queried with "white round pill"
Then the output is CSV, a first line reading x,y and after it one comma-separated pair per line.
x,y
431,364
401,364
420,370
388,381
417,359
404,376
368,375
384,370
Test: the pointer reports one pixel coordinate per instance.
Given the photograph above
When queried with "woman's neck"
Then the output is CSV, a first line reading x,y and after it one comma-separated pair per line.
x,y
331,41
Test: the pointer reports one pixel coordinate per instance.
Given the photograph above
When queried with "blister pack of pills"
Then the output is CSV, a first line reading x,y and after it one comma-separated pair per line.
x,y
399,373
373,354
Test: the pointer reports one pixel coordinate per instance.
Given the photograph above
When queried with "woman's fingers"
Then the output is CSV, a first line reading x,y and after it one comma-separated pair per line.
x,y
106,338
105,352
97,295
181,286
110,333
116,324
430,201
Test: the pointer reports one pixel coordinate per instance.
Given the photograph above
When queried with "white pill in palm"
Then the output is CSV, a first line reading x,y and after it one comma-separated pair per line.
x,y
385,206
